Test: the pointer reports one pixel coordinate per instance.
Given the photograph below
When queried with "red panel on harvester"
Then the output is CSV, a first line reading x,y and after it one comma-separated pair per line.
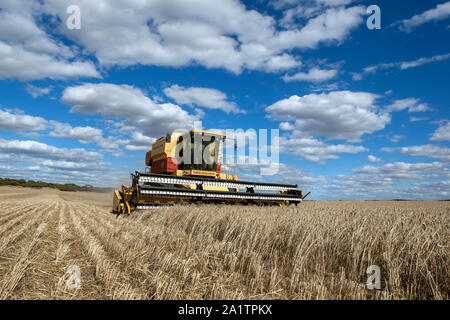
x,y
167,165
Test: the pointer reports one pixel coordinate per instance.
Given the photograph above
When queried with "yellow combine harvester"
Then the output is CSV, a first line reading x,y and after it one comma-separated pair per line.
x,y
187,167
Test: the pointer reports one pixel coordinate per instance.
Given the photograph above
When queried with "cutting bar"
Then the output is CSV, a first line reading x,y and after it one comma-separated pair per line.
x,y
164,192
143,178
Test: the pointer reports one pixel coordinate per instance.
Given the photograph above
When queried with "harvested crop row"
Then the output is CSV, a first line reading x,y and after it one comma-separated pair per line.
x,y
73,256
180,263
42,273
63,245
12,206
116,286
14,232
187,257
21,263
133,250
16,211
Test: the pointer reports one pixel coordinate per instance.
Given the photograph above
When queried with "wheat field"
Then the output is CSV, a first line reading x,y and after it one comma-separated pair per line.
x,y
317,250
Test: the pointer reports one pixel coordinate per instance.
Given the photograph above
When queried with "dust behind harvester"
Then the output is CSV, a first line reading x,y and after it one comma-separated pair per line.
x,y
202,177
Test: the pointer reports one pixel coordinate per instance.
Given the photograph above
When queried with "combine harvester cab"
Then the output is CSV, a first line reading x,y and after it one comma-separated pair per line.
x,y
197,179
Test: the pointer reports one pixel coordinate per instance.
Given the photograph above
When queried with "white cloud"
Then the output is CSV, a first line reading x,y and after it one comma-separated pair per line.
x,y
37,91
82,134
422,107
286,126
411,104
280,4
92,173
73,166
333,25
380,183
402,65
434,190
421,61
359,187
314,150
127,102
213,34
396,138
42,150
442,133
16,62
285,174
16,121
294,11
27,52
442,11
88,135
415,119
343,115
140,142
399,105
112,144
18,27
11,158
313,75
372,158
402,171
282,62
335,115
428,150
202,97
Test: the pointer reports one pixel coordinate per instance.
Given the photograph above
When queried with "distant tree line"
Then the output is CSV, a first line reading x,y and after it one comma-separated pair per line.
x,y
40,184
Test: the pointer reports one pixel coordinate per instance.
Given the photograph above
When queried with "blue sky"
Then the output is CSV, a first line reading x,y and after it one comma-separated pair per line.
x,y
362,114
